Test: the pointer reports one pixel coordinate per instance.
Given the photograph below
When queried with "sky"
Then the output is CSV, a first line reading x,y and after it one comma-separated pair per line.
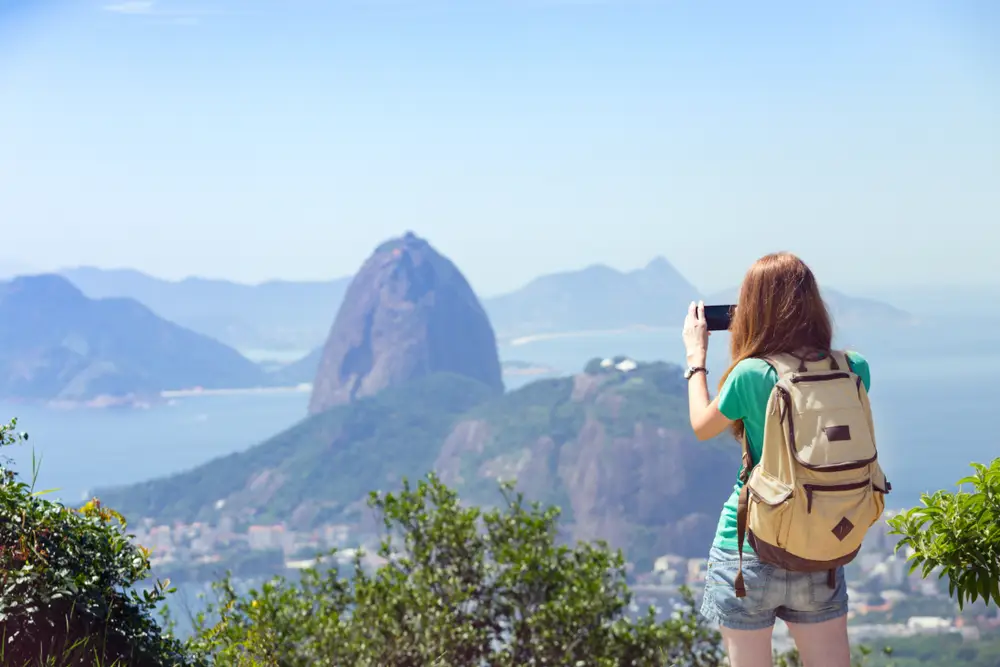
x,y
260,139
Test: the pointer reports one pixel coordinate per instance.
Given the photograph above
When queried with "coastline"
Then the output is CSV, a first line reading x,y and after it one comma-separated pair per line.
x,y
165,397
303,388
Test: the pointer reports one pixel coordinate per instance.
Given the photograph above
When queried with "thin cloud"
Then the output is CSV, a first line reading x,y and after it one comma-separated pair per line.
x,y
154,9
131,7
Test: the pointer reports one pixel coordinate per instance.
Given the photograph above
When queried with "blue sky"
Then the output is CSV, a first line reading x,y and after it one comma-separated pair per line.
x,y
255,139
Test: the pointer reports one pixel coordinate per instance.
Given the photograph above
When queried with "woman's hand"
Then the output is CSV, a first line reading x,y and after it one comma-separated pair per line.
x,y
696,334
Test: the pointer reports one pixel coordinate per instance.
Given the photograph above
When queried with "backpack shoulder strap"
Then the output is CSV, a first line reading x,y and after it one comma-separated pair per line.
x,y
783,364
840,360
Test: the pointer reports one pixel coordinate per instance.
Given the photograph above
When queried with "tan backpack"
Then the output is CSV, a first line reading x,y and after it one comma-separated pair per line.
x,y
818,487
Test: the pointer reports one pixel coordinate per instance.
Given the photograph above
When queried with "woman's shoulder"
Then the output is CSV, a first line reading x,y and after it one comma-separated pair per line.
x,y
747,388
859,366
752,371
855,358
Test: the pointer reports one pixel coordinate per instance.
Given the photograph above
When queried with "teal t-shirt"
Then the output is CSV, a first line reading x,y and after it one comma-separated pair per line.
x,y
744,396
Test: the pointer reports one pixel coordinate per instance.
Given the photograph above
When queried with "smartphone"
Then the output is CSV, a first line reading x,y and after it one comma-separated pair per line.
x,y
719,317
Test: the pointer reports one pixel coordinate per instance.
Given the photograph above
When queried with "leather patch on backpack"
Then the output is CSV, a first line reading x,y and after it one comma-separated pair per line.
x,y
837,433
843,529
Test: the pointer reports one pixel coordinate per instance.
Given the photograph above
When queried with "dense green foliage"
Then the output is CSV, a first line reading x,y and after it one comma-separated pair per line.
x,y
959,534
68,589
457,587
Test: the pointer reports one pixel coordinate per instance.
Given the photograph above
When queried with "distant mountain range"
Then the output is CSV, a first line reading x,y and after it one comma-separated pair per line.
x,y
596,297
613,449
299,315
274,315
846,311
57,344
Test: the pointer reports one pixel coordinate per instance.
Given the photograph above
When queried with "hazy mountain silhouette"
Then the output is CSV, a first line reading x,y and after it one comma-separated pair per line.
x,y
271,315
298,315
55,343
597,297
847,311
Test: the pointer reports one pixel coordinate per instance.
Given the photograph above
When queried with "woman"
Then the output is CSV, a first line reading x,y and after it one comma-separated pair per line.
x,y
779,311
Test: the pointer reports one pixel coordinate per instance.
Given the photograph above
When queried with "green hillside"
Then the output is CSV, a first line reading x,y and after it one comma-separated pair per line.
x,y
612,448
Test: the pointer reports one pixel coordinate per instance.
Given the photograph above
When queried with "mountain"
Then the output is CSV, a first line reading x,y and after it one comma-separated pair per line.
x,y
612,448
301,371
597,297
269,316
408,312
55,343
846,311
281,315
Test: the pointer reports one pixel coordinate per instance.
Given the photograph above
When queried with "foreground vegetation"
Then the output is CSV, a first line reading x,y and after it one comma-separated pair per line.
x,y
458,587
454,586
67,584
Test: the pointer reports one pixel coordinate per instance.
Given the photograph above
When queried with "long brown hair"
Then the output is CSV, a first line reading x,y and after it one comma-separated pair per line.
x,y
779,310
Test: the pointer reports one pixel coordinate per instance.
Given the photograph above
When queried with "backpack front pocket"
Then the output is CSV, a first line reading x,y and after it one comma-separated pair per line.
x,y
769,508
833,519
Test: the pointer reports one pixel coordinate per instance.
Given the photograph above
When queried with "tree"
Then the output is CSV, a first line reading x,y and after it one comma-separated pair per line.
x,y
959,534
67,583
456,586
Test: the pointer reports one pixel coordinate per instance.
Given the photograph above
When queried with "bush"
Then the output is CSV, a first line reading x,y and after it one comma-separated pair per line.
x,y
67,580
959,534
455,586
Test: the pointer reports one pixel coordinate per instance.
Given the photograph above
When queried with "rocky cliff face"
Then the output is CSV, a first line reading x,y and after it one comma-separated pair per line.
x,y
612,449
408,313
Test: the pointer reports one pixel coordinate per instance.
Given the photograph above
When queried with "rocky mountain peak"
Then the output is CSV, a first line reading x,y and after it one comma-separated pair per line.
x,y
408,313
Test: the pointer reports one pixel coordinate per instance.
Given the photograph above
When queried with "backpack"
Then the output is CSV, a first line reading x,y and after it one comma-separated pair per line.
x,y
818,488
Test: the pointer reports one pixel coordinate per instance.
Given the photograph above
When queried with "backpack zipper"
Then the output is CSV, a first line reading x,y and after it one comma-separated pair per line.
x,y
760,498
821,378
811,488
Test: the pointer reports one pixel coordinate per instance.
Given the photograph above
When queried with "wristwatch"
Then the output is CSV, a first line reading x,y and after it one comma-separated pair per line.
x,y
689,373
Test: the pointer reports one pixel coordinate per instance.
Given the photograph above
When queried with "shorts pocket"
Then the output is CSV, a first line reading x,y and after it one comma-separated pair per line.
x,y
720,585
819,586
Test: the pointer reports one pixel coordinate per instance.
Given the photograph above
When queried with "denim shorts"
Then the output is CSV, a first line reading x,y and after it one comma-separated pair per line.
x,y
772,592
